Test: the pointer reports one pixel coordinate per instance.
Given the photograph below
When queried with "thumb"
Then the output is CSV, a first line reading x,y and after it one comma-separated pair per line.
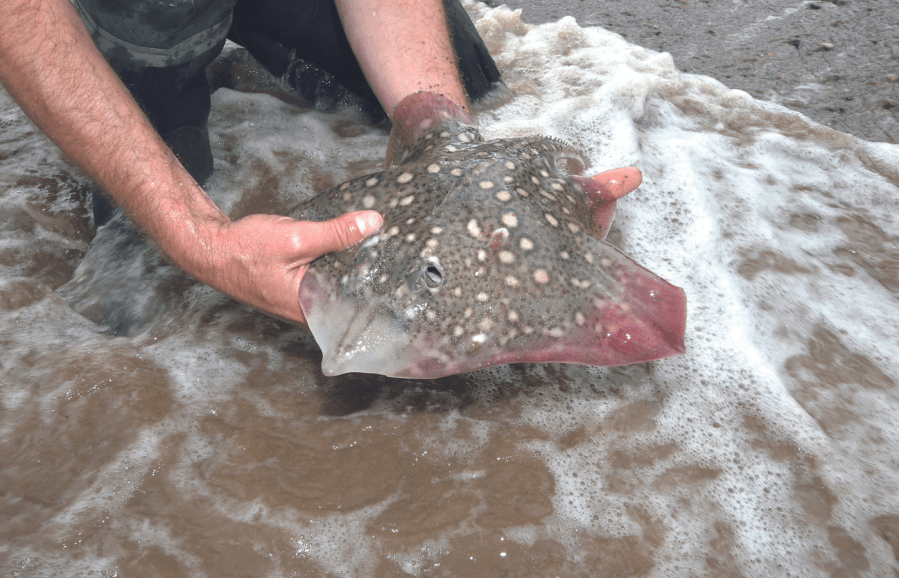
x,y
343,231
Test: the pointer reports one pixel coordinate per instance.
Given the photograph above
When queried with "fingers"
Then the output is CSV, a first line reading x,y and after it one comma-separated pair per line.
x,y
610,185
417,113
604,189
341,232
620,181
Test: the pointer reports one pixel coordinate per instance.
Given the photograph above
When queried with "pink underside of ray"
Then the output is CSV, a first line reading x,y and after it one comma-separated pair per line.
x,y
646,325
647,328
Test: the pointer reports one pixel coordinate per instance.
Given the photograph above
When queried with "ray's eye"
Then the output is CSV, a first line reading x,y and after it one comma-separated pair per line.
x,y
415,281
430,275
433,275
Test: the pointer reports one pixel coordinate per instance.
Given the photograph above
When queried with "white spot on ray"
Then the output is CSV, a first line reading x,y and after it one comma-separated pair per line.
x,y
509,220
404,178
482,297
551,220
410,237
433,168
473,228
510,165
564,254
456,172
486,184
368,201
506,257
589,258
541,276
526,244
579,318
482,255
393,231
573,228
504,196
371,182
406,201
436,230
512,316
512,281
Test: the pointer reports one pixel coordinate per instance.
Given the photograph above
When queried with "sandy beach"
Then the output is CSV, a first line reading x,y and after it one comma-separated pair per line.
x,y
835,61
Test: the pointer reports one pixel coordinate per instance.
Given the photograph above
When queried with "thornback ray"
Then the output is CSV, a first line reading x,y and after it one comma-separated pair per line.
x,y
490,253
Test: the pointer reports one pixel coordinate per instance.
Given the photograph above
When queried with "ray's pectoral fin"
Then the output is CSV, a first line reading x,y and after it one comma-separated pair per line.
x,y
654,322
604,189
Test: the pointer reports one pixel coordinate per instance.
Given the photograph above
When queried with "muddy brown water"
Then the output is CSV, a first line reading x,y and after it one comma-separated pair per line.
x,y
203,440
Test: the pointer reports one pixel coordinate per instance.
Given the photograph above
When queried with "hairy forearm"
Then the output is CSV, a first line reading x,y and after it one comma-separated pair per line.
x,y
50,65
403,47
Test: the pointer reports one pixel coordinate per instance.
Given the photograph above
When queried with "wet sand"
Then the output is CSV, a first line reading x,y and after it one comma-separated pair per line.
x,y
835,61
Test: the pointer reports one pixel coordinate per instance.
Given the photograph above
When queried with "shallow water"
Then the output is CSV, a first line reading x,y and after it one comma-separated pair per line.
x,y
204,441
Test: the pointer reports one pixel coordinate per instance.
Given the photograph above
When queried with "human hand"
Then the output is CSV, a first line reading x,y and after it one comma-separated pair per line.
x,y
604,190
261,260
484,245
426,112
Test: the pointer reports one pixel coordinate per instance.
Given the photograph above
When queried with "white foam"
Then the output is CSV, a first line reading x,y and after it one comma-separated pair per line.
x,y
739,451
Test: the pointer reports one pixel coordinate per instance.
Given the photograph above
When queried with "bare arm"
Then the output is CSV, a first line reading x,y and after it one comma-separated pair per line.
x,y
403,47
50,65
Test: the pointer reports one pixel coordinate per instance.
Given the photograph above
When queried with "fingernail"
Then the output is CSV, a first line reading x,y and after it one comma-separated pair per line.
x,y
368,222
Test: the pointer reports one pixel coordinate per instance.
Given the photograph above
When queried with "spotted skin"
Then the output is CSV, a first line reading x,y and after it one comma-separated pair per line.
x,y
489,254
